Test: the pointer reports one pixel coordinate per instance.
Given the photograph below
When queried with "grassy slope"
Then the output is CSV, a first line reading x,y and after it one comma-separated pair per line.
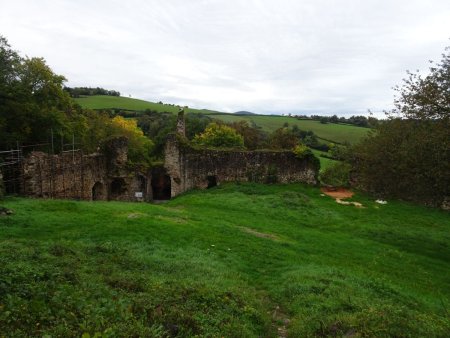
x,y
330,131
120,102
191,266
324,161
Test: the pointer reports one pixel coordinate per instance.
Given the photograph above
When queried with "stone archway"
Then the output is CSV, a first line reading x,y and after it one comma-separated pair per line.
x,y
118,189
98,192
161,187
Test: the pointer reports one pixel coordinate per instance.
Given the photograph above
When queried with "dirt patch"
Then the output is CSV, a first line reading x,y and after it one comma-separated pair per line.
x,y
340,193
259,234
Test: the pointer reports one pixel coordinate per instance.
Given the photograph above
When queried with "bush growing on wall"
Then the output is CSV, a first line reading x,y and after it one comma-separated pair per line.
x,y
301,151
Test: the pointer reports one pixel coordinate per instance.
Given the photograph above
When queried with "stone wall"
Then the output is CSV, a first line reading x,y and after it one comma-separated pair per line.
x,y
104,176
107,176
191,168
62,176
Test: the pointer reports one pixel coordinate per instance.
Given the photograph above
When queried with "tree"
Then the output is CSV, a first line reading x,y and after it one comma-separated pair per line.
x,y
426,97
408,156
283,138
195,124
139,146
324,120
33,102
156,126
32,98
253,138
221,136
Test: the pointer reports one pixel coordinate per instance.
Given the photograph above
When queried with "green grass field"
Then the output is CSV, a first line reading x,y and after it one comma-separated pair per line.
x,y
238,260
332,132
127,103
324,161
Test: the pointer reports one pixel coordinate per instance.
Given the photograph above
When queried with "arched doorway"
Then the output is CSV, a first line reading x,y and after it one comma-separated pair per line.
x,y
161,187
117,189
98,192
212,181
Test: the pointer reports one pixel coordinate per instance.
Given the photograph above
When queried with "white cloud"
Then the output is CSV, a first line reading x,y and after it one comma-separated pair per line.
x,y
266,56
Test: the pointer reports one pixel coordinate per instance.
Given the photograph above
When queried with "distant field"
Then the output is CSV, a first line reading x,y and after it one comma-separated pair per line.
x,y
330,131
237,260
127,103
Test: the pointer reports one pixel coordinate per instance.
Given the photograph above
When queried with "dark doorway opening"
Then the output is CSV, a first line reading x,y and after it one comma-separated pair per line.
x,y
161,187
98,192
212,181
142,185
118,188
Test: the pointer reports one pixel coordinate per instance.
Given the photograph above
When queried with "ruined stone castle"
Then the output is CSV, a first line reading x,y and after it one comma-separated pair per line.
x,y
108,176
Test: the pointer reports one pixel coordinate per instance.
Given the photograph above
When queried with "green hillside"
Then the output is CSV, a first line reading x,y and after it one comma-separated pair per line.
x,y
233,261
127,103
330,131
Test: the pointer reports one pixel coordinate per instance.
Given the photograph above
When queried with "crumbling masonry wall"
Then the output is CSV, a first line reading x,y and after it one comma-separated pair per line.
x,y
62,176
99,176
197,168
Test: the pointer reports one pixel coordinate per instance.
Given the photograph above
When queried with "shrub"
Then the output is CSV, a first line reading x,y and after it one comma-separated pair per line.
x,y
301,151
216,135
337,175
139,146
283,138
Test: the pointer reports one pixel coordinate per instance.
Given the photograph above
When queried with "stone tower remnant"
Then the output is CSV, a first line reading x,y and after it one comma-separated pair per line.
x,y
181,123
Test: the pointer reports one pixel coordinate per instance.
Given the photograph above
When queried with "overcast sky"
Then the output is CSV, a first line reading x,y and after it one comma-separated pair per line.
x,y
266,56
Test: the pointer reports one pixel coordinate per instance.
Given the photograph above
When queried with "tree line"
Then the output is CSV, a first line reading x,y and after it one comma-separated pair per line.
x,y
34,107
356,120
88,91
